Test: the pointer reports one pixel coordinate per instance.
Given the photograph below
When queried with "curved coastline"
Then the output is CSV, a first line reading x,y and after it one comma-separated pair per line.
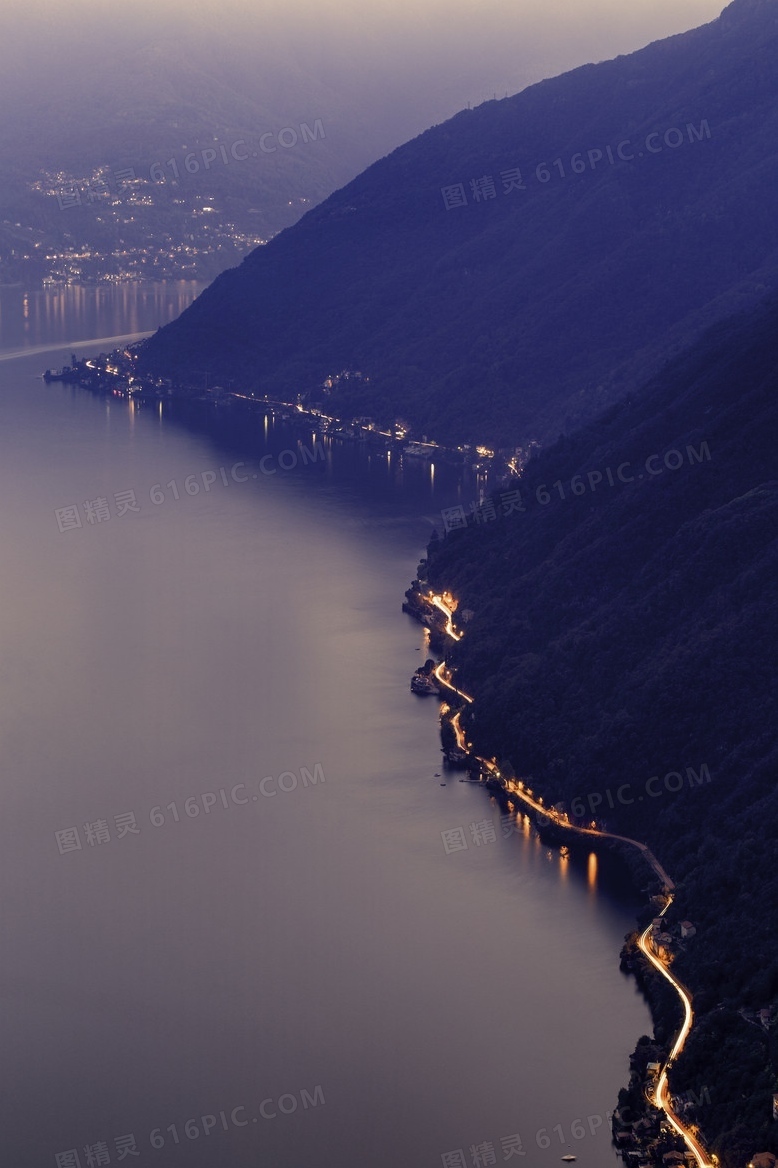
x,y
516,789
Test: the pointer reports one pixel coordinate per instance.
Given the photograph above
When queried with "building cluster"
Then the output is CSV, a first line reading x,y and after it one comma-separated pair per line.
x,y
651,1142
647,1139
115,226
765,1159
508,462
763,1018
664,938
116,374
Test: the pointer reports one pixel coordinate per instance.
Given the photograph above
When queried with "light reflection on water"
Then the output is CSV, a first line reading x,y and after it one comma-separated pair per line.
x,y
321,936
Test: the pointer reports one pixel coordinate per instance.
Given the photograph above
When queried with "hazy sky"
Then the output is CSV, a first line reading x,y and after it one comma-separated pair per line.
x,y
495,41
380,71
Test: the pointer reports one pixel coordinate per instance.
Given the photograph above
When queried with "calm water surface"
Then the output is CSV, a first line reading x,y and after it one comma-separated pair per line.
x,y
246,646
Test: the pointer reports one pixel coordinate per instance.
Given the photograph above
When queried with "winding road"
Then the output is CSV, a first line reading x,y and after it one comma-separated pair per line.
x,y
661,1095
662,1092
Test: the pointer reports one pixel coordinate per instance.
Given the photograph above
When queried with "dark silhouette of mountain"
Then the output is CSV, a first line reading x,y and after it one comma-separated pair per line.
x,y
519,314
624,634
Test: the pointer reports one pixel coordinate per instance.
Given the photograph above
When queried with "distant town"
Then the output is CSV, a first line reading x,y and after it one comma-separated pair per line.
x,y
109,226
116,374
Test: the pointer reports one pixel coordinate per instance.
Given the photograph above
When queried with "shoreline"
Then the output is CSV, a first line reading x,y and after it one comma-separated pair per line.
x,y
635,1141
116,374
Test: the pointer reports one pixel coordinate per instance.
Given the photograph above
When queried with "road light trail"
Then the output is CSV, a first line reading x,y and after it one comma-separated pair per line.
x,y
440,670
439,603
456,726
517,788
662,1093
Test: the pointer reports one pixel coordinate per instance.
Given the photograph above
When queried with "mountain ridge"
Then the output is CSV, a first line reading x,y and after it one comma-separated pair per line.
x,y
744,10
426,301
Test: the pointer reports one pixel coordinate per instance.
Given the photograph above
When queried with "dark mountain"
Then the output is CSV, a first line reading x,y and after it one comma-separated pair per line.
x,y
625,634
519,314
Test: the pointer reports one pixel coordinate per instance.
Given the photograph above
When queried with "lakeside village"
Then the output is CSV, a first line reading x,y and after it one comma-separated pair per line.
x,y
115,374
641,1131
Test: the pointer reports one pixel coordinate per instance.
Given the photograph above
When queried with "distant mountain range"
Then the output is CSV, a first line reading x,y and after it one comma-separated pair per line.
x,y
211,112
164,123
508,273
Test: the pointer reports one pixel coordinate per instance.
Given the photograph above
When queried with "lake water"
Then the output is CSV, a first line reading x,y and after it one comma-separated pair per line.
x,y
278,948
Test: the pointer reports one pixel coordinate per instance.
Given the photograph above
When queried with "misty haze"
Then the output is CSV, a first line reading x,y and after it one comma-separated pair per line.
x,y
387,640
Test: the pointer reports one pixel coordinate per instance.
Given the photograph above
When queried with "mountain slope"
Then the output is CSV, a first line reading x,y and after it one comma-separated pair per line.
x,y
629,631
521,313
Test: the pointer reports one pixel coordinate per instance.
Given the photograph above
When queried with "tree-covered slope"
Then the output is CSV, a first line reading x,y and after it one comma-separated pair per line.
x,y
627,633
518,314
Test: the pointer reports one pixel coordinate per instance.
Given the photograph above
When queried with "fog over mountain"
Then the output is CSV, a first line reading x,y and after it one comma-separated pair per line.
x,y
88,91
394,69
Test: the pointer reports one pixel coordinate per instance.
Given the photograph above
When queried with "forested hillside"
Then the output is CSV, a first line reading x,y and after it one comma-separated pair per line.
x,y
626,633
513,270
